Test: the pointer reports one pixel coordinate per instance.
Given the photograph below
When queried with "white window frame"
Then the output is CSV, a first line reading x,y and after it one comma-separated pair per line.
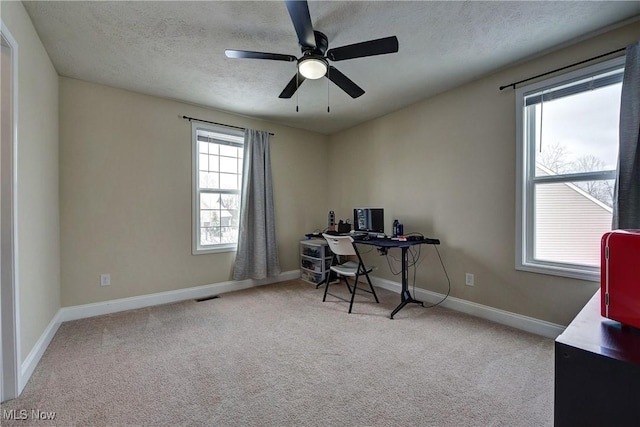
x,y
236,137
525,169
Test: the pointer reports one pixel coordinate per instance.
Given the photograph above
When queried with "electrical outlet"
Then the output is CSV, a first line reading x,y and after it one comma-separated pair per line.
x,y
105,280
468,280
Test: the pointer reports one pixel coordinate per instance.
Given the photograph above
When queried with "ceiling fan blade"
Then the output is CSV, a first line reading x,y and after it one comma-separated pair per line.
x,y
344,83
299,12
292,86
360,50
246,54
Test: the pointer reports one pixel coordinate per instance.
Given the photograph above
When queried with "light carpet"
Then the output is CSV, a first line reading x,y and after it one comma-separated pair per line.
x,y
276,355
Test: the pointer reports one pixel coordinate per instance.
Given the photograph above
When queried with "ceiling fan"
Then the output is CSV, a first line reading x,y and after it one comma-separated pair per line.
x,y
314,63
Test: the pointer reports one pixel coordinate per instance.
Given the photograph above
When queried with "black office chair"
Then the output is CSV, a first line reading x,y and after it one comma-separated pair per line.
x,y
343,246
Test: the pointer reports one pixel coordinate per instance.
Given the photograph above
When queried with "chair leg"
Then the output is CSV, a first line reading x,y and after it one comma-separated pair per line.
x,y
353,294
326,289
347,283
373,291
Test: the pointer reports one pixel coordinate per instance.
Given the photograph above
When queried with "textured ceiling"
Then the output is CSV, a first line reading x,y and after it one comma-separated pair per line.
x,y
176,49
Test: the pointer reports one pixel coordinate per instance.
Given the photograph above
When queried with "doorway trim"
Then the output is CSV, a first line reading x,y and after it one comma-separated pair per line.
x,y
9,319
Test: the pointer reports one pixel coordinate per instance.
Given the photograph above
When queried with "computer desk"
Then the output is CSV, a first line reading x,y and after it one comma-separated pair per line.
x,y
405,296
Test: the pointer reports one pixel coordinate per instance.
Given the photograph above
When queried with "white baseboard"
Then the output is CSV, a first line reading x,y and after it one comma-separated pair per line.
x,y
132,303
518,321
29,365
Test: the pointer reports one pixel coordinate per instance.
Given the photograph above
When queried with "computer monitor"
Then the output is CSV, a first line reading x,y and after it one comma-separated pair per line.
x,y
368,219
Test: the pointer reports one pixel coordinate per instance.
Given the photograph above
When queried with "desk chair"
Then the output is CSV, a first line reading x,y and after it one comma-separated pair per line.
x,y
343,245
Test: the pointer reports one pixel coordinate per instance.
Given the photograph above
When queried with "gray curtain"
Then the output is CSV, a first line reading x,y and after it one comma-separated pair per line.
x,y
257,256
626,201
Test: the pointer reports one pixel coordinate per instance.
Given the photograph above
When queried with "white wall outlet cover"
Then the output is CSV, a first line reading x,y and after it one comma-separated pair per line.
x,y
105,279
469,279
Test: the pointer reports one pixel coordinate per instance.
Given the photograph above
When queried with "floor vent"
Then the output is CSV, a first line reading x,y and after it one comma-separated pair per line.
x,y
207,298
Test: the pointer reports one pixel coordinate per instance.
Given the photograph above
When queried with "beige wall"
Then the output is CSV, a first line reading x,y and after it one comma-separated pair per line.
x,y
446,167
125,162
38,239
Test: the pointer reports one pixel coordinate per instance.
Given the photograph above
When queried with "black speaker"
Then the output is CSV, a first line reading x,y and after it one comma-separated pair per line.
x,y
344,227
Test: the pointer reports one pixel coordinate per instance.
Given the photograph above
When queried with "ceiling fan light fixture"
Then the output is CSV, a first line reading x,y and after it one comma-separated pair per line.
x,y
312,67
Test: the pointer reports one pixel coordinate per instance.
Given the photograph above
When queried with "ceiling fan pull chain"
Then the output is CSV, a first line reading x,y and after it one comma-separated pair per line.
x,y
328,90
297,87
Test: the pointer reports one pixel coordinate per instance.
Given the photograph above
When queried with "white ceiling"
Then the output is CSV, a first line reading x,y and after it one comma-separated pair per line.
x,y
176,49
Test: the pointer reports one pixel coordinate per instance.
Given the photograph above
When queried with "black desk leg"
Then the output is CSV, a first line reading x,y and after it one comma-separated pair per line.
x,y
405,295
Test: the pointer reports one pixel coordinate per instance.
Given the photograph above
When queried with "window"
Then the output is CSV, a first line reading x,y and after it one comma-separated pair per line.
x,y
567,149
217,181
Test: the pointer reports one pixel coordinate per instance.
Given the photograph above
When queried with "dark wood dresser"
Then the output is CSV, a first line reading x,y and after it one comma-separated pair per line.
x,y
597,371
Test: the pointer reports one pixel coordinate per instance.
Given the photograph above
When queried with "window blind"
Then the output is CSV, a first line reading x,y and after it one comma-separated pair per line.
x,y
561,92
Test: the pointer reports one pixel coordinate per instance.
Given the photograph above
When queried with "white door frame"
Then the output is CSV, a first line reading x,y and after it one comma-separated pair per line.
x,y
9,319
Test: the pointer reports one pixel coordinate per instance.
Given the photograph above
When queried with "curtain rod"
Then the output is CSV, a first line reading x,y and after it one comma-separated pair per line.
x,y
216,123
513,85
